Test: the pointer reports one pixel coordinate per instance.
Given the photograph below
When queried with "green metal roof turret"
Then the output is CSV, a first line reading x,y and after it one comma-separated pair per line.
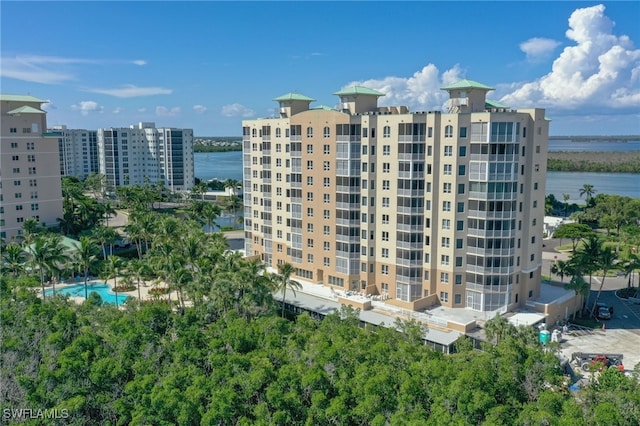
x,y
493,104
467,84
358,90
21,98
293,97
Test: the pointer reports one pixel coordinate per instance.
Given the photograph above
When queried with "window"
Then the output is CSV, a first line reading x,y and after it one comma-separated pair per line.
x,y
326,214
31,158
385,219
458,262
459,243
537,149
309,196
326,182
34,207
457,299
427,259
385,252
326,261
445,242
326,230
461,188
386,132
385,185
364,149
444,277
386,167
309,164
309,211
446,188
309,132
444,260
16,170
326,246
446,224
326,149
448,131
385,201
16,183
15,157
448,150
13,130
462,151
385,236
326,198
447,169
460,207
385,269
446,206
462,169
460,225
386,149
535,203
326,166
535,186
326,132
309,148
463,132
458,279
537,167
310,242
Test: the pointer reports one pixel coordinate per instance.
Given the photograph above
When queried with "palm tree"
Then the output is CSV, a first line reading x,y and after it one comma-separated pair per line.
x,y
630,266
43,254
607,261
105,236
13,258
562,268
581,287
284,281
232,185
588,191
565,198
86,257
111,270
139,270
210,212
499,328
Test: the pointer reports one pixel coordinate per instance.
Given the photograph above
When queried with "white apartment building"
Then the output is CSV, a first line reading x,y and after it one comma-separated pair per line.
x,y
426,208
30,185
142,154
78,151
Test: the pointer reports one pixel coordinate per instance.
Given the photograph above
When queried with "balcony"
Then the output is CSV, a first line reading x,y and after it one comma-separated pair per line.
x,y
489,270
409,262
410,210
409,228
348,206
411,175
413,193
411,156
408,245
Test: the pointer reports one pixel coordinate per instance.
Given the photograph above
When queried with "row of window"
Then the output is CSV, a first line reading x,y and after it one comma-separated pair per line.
x,y
30,146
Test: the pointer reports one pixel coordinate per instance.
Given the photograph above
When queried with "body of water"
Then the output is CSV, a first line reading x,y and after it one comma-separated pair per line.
x,y
228,165
101,288
597,146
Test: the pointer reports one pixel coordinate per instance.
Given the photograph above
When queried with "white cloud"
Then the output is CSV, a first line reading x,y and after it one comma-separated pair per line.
x,y
118,110
49,106
139,62
236,110
37,69
142,110
200,109
132,91
599,70
85,107
419,92
162,111
538,49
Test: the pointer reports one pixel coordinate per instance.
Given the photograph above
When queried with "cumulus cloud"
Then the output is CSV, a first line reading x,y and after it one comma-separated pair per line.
x,y
200,109
118,110
236,110
421,91
132,91
538,49
162,111
49,106
599,69
85,107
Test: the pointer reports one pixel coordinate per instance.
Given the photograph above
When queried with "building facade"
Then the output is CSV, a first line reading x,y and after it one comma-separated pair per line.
x,y
425,208
30,185
78,151
142,154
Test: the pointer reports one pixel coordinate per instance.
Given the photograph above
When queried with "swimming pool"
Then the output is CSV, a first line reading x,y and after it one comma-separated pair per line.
x,y
101,288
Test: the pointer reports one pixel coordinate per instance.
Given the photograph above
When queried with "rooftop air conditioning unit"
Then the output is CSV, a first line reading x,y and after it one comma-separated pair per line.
x,y
283,110
345,105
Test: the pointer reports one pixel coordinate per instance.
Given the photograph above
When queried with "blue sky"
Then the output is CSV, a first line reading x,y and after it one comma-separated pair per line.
x,y
209,65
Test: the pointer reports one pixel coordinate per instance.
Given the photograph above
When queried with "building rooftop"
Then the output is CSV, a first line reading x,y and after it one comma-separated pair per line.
x,y
293,97
20,98
467,84
26,110
488,103
358,90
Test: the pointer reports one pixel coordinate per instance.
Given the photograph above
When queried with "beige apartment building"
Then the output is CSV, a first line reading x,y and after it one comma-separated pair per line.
x,y
423,208
30,185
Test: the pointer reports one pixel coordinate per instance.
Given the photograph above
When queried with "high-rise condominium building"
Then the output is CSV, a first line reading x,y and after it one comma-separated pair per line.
x,y
30,184
78,151
142,154
426,208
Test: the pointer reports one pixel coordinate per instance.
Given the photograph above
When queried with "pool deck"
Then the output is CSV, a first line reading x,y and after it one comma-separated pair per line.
x,y
144,289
